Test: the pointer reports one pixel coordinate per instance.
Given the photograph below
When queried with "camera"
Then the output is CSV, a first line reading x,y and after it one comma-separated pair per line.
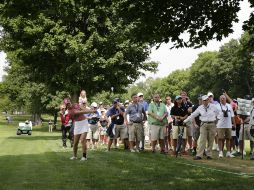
x,y
225,113
223,91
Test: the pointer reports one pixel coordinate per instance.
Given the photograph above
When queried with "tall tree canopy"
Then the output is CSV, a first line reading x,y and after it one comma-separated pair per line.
x,y
185,23
71,44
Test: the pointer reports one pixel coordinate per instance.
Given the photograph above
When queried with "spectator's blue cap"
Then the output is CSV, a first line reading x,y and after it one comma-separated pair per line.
x,y
116,100
178,97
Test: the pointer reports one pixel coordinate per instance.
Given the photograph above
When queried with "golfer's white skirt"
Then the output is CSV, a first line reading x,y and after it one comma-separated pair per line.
x,y
81,127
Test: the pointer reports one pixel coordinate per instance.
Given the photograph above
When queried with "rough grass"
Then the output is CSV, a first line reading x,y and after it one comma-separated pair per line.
x,y
39,162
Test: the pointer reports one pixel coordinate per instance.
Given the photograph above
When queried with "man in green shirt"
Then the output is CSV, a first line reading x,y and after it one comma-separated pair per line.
x,y
157,120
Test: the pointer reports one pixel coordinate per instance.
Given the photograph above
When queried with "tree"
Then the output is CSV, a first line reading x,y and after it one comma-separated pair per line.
x,y
184,23
71,45
203,74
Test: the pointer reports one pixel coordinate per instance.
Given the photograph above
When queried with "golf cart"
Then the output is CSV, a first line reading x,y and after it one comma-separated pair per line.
x,y
25,128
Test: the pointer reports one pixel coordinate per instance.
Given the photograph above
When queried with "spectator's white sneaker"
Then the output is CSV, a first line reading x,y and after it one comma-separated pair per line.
x,y
220,154
83,159
229,155
132,150
233,152
73,158
137,150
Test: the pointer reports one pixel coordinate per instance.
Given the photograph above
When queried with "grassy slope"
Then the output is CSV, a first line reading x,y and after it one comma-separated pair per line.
x,y
39,162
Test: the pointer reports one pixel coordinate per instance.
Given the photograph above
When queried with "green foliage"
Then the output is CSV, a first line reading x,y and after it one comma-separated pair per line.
x,y
71,45
6,105
231,68
184,23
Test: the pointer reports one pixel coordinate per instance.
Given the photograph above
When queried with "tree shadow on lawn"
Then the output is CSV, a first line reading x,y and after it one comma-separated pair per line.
x,y
110,170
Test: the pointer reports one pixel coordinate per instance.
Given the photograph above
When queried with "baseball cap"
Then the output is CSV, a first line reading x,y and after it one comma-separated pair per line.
x,y
116,100
210,94
140,94
205,97
178,97
94,104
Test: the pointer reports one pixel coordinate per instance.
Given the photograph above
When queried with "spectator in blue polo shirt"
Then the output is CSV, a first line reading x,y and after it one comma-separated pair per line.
x,y
116,112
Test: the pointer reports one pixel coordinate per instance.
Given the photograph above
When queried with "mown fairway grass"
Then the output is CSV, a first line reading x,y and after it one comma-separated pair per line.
x,y
39,162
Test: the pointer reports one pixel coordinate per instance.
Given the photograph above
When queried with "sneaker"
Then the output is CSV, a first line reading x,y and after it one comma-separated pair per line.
x,y
216,147
137,150
229,155
73,158
220,154
83,159
197,158
233,152
132,150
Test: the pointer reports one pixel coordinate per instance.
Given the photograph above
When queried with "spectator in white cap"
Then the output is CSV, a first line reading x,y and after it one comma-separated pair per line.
x,y
207,113
93,133
144,128
126,104
211,98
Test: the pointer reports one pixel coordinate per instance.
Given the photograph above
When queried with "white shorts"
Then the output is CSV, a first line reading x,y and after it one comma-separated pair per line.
x,y
81,127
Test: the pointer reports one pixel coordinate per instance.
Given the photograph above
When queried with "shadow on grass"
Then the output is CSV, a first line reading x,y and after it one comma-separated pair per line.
x,y
111,170
29,138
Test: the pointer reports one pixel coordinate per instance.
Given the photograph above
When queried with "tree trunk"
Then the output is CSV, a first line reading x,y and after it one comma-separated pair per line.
x,y
74,97
36,118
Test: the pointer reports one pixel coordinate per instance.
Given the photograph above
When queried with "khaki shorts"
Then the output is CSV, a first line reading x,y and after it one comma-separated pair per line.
x,y
121,131
189,131
136,131
224,133
247,135
176,132
157,132
93,132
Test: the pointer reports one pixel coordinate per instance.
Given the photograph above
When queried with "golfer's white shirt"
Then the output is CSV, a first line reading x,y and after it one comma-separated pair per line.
x,y
206,114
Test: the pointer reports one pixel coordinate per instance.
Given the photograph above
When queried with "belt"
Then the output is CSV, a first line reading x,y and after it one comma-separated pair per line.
x,y
208,122
136,122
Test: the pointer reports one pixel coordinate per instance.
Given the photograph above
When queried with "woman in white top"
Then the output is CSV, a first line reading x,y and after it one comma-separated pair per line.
x,y
82,98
